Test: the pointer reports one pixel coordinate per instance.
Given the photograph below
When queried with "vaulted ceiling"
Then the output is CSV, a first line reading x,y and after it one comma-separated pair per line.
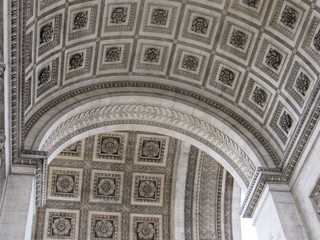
x,y
237,77
251,63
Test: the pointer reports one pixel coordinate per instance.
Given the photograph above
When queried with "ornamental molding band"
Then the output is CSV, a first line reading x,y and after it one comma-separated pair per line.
x,y
2,69
155,116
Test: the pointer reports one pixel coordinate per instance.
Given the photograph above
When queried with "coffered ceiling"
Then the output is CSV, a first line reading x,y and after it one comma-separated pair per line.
x,y
126,185
237,77
251,63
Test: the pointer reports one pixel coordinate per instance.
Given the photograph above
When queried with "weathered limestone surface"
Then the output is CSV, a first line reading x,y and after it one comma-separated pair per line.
x,y
14,212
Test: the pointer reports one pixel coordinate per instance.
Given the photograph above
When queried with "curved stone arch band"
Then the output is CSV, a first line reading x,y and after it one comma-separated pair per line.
x,y
157,116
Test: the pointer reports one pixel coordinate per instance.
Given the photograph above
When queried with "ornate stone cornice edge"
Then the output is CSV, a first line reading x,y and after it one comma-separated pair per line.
x,y
261,177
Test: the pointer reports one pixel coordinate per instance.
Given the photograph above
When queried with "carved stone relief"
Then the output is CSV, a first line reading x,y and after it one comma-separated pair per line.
x,y
111,198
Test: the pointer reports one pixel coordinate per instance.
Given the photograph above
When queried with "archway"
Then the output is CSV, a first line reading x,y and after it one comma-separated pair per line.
x,y
173,119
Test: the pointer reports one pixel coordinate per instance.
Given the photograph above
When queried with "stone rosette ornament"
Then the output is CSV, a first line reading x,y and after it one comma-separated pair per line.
x,y
61,227
104,229
145,230
151,149
106,187
147,189
65,184
110,146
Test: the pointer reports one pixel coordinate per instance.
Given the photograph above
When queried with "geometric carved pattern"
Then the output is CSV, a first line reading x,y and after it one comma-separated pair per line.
x,y
271,60
61,224
78,63
159,18
82,22
190,189
282,122
147,189
145,227
107,193
237,40
184,42
47,77
189,65
106,186
199,26
225,78
311,43
204,199
104,225
151,150
207,188
287,18
49,35
152,57
120,17
256,98
299,83
114,56
64,183
111,147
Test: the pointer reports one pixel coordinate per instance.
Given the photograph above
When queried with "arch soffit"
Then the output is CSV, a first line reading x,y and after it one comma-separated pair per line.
x,y
176,119
48,113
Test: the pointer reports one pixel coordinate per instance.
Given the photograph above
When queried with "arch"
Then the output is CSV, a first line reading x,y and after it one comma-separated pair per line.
x,y
168,117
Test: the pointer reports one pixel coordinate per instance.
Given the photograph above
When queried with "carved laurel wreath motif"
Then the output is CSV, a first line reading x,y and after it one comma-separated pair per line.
x,y
154,114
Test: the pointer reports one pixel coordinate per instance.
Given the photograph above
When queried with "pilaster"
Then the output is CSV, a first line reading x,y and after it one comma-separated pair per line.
x,y
276,216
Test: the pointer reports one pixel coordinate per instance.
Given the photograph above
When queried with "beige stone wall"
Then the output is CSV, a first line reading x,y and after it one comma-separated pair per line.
x,y
15,209
305,182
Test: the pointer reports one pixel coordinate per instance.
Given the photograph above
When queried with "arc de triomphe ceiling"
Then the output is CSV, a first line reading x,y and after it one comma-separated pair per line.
x,y
237,78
